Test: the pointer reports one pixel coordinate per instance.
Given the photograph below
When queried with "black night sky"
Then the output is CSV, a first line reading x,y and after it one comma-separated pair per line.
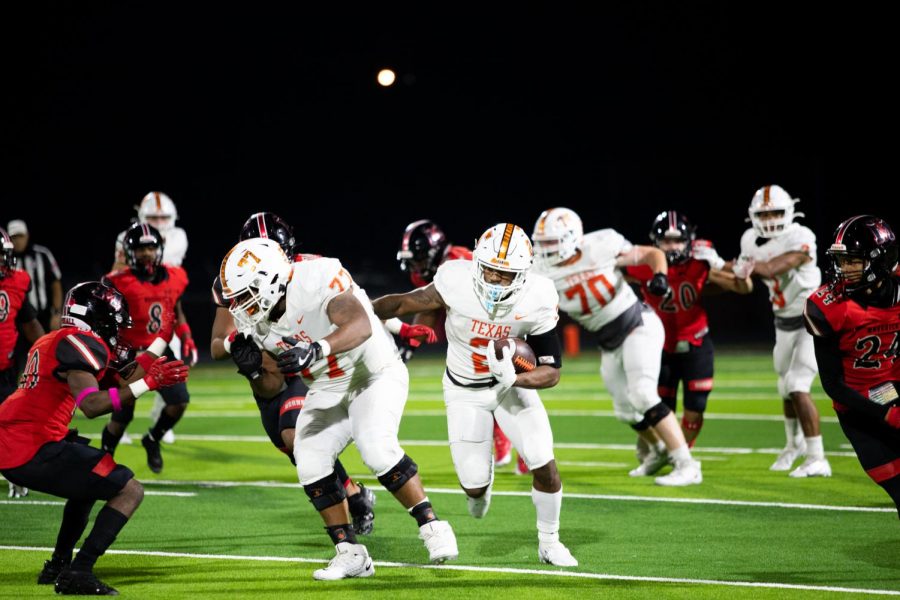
x,y
618,112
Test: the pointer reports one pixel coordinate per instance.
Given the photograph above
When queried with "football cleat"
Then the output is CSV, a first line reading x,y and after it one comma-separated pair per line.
x,y
687,473
813,467
364,518
82,583
17,491
787,457
555,553
651,464
169,437
52,569
478,507
154,457
351,560
439,541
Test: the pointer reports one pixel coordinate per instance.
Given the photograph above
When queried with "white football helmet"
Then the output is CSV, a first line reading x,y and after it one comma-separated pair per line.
x,y
772,200
254,276
557,236
505,248
160,208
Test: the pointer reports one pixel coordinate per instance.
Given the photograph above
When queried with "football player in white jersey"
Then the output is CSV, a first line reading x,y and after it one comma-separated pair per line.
x,y
491,297
783,254
320,325
157,209
586,272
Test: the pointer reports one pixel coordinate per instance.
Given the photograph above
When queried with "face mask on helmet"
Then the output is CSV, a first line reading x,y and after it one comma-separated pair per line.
x,y
772,211
97,307
143,249
254,276
422,249
557,236
7,254
501,260
272,227
864,253
674,234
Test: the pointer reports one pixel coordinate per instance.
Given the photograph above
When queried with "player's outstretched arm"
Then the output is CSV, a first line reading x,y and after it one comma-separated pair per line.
x,y
729,282
94,402
651,256
780,264
223,327
417,301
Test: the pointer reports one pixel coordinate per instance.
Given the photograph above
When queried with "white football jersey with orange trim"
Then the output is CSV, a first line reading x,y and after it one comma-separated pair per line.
x,y
175,245
788,291
314,283
469,327
592,290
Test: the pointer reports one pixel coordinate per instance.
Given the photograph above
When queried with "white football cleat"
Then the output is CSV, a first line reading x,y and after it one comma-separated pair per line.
x,y
687,473
787,458
439,541
813,467
478,507
653,462
555,553
125,439
169,437
351,560
17,491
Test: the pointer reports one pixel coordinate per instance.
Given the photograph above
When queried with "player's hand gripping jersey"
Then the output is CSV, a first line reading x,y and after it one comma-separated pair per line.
x,y
788,291
469,327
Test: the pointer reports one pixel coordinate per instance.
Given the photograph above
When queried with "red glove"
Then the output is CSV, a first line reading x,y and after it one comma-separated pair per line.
x,y
893,417
188,347
164,372
411,332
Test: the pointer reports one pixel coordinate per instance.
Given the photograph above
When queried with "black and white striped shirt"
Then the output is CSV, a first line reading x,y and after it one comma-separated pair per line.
x,y
40,264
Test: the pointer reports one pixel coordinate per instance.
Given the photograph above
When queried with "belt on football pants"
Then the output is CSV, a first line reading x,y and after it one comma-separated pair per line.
x,y
480,385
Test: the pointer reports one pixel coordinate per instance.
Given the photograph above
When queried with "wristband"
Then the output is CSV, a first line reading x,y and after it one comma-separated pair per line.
x,y
183,329
114,399
158,347
144,361
394,325
138,387
84,393
325,347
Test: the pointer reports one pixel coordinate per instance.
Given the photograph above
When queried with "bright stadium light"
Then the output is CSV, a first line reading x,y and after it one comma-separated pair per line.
x,y
386,77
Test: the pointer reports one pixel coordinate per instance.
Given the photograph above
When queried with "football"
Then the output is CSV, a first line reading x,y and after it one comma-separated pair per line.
x,y
523,356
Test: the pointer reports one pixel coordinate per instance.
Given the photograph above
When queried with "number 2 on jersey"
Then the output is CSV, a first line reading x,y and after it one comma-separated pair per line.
x,y
592,286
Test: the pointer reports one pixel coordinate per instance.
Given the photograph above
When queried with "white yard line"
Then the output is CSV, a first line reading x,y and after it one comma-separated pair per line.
x,y
505,571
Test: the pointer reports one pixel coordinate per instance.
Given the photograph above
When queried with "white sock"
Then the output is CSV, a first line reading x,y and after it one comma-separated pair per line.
x,y
660,447
681,455
547,506
790,430
814,447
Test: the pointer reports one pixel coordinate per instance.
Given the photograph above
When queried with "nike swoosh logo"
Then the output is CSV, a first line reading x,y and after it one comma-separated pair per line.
x,y
519,317
300,320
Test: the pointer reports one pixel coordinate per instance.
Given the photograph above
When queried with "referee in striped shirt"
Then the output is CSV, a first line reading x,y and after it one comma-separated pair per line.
x,y
46,285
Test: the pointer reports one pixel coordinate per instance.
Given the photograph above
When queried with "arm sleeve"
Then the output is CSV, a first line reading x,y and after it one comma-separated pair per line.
x,y
81,352
546,348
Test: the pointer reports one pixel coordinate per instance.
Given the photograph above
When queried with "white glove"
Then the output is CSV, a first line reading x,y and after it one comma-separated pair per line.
x,y
743,266
709,254
17,491
503,369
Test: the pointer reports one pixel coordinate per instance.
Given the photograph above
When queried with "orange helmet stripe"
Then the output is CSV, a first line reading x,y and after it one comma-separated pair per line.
x,y
767,195
225,288
504,242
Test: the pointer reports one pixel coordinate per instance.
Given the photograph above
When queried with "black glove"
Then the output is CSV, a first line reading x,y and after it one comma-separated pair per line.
x,y
659,285
247,356
299,357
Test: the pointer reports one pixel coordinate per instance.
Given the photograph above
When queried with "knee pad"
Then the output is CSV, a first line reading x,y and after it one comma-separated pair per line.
x,y
695,400
399,474
325,492
123,416
656,414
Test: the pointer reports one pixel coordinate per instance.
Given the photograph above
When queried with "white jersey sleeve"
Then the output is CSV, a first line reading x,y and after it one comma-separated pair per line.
x,y
176,245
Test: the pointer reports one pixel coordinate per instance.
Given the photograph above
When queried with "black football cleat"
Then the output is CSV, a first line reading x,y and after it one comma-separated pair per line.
x,y
154,457
361,511
52,569
82,583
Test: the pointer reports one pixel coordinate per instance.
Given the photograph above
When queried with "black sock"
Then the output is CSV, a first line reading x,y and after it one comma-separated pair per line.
x,y
892,487
163,424
358,505
341,473
107,525
341,533
423,513
109,441
75,519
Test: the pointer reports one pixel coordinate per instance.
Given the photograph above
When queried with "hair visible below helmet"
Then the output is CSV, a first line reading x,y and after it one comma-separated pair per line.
x,y
141,235
674,227
159,205
869,239
268,225
504,247
102,309
771,200
422,249
254,276
557,236
7,254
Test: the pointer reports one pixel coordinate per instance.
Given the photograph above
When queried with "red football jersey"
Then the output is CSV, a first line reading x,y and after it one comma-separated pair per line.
x,y
13,289
682,314
869,337
151,304
40,410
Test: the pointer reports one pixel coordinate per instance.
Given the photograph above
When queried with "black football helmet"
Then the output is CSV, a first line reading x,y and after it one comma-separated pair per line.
x,y
673,226
422,249
102,309
869,239
272,227
141,235
7,256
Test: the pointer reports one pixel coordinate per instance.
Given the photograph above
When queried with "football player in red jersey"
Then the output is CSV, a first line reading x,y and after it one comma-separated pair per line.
x,y
279,407
694,269
423,249
66,369
855,323
153,291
